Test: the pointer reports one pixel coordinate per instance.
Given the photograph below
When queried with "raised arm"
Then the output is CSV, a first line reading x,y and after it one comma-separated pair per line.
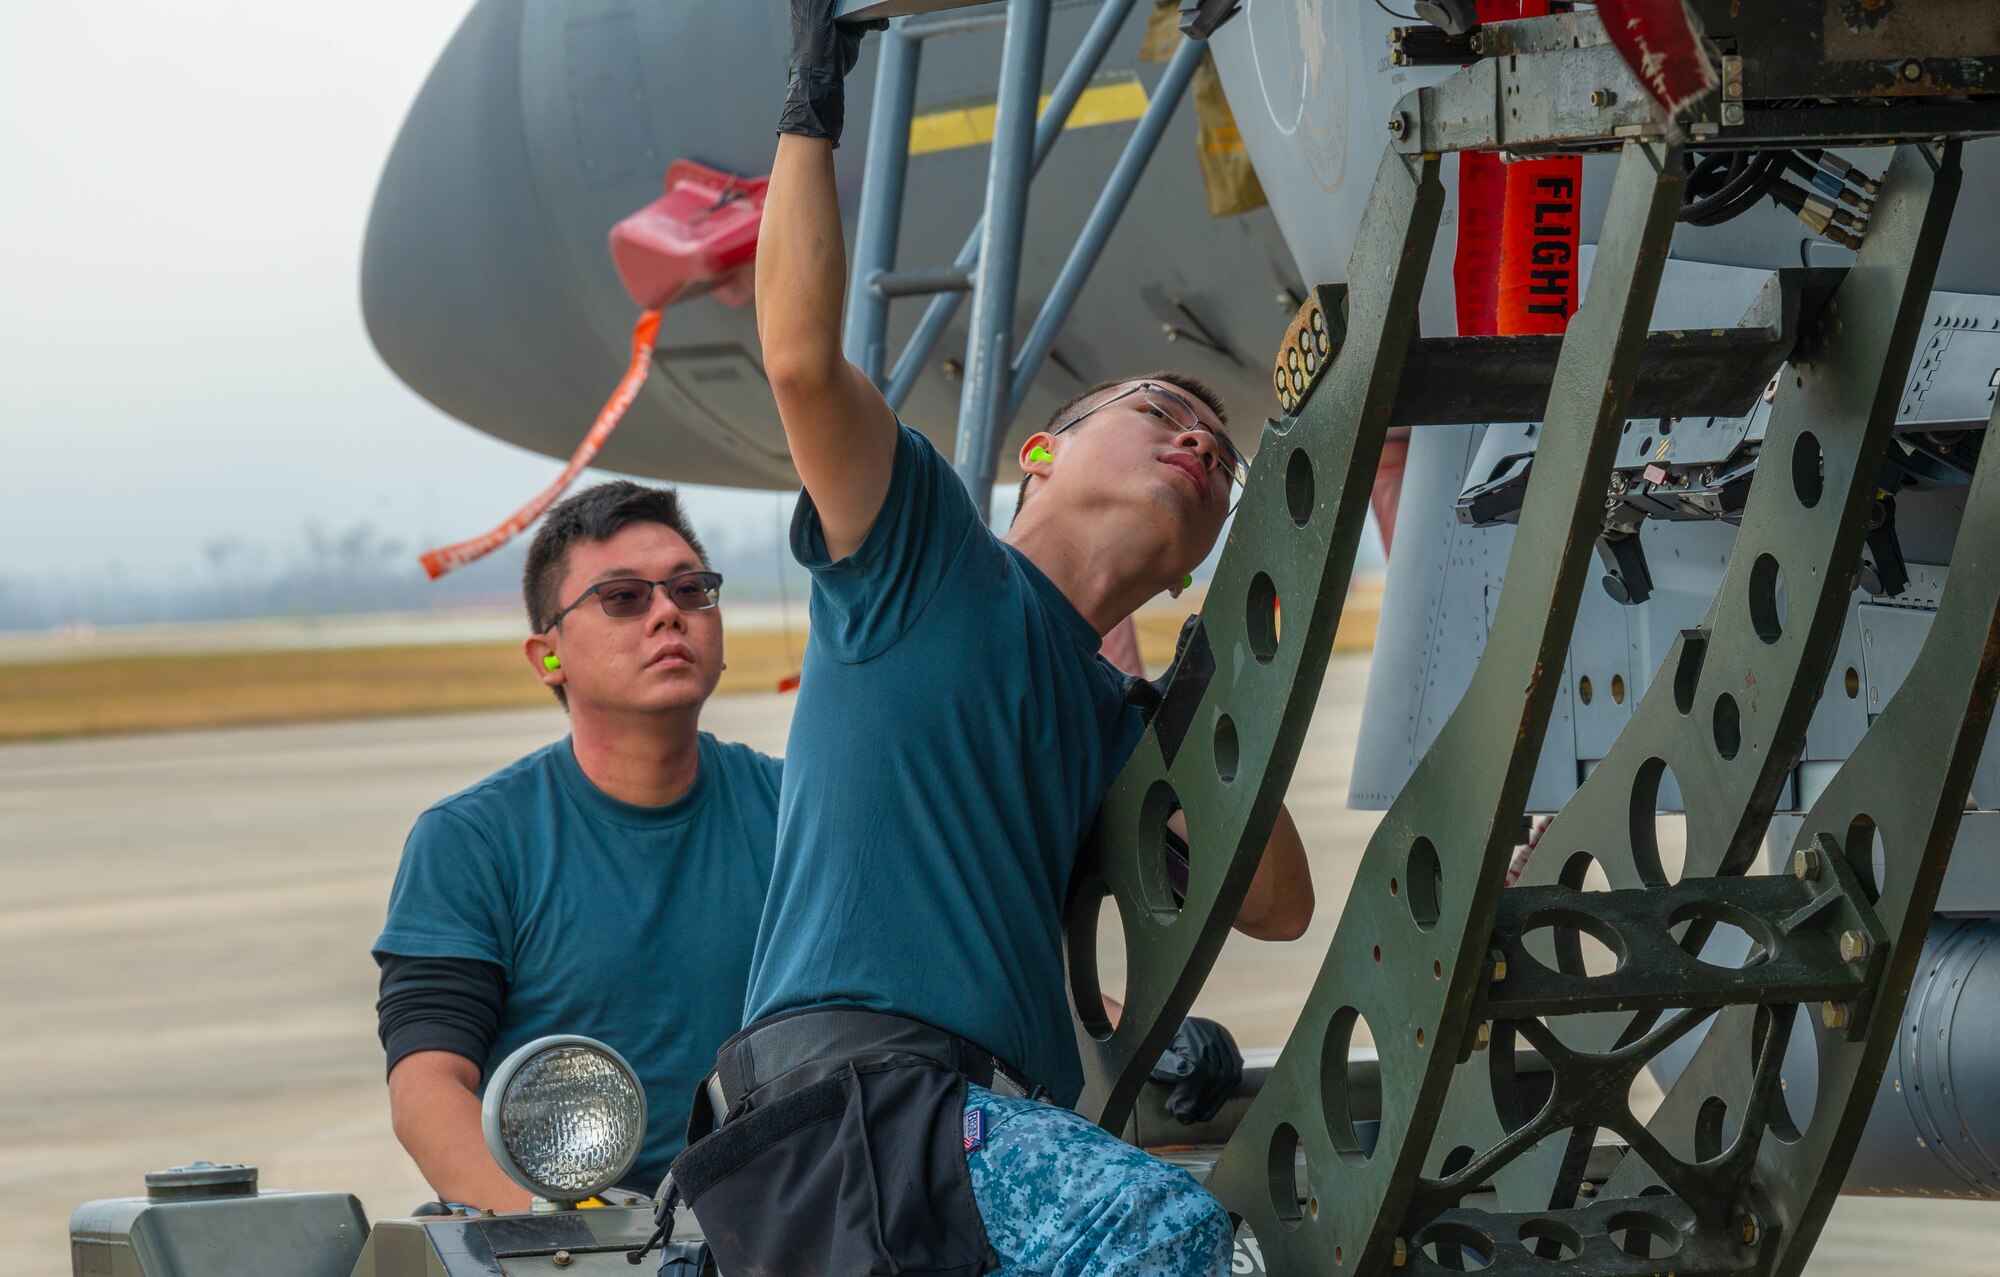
x,y
841,431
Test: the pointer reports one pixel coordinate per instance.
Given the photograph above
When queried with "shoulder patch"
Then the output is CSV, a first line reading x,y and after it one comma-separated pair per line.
x,y
975,1129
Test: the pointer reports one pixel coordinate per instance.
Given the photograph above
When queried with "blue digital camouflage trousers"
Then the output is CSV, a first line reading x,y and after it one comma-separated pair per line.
x,y
1062,1198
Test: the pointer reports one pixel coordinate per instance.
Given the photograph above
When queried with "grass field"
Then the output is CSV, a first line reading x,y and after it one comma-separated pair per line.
x,y
58,699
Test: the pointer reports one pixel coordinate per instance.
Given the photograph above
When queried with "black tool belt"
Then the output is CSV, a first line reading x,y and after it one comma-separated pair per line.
x,y
784,1053
843,1150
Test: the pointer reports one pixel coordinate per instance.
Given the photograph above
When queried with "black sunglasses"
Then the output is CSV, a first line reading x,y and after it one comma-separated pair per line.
x,y
628,596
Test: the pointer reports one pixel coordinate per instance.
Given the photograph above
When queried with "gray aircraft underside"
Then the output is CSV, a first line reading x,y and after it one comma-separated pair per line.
x,y
487,287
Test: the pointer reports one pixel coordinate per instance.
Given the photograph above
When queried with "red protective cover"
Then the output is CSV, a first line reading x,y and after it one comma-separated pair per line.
x,y
698,237
1661,41
1515,268
1538,243
1475,267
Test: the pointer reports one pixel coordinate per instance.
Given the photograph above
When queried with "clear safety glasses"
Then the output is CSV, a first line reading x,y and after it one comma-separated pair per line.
x,y
1173,409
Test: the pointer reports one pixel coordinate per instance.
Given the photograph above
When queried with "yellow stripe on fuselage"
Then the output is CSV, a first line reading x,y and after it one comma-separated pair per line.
x,y
1116,100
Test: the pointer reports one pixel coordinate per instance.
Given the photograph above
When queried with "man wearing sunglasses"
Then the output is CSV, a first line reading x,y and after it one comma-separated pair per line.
x,y
955,734
607,884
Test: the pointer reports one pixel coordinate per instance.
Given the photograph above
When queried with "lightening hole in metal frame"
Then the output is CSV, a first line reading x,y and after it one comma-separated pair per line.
x,y
1850,683
1644,1096
1808,469
1581,872
1617,689
1425,876
1798,1075
1867,856
1089,941
1459,1247
1287,1173
1299,488
1583,689
1341,1086
1260,618
1644,1235
1735,939
1659,838
1225,749
1727,726
1687,670
1711,1135
1583,944
1551,1239
1519,1095
1455,1161
1767,598
1166,858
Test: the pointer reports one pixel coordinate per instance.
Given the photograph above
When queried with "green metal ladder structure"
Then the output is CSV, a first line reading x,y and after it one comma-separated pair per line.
x,y
1455,975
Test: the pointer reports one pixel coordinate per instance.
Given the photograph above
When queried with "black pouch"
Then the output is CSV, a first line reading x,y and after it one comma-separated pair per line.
x,y
685,1259
860,1174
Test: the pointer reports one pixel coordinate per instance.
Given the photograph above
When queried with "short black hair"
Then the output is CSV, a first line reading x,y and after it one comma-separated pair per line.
x,y
1173,377
597,513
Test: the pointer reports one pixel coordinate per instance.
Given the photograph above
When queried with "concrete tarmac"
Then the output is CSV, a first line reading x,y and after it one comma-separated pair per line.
x,y
184,969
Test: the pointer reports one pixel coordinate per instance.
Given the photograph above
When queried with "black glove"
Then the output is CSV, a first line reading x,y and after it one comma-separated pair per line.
x,y
823,52
1202,1066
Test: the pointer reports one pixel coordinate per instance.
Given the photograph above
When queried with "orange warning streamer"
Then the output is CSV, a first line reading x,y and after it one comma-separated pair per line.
x,y
644,334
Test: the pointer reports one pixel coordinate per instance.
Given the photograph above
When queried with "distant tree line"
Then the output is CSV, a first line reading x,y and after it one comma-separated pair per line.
x,y
333,572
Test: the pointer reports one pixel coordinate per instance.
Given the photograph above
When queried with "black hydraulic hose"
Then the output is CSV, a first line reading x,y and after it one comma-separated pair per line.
x,y
1749,178
1716,181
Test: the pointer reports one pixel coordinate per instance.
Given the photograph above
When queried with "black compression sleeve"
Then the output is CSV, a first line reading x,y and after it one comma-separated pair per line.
x,y
439,1004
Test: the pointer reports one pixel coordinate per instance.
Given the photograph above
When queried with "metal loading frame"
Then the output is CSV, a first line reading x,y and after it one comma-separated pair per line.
x,y
1430,953
1407,955
1906,782
1729,721
1440,966
1228,730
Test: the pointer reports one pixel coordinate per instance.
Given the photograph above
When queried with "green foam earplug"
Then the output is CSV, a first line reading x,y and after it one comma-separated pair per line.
x,y
1039,453
552,662
1187,580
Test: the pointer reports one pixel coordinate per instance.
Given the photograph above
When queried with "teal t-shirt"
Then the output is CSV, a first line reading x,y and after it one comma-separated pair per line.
x,y
955,732
633,925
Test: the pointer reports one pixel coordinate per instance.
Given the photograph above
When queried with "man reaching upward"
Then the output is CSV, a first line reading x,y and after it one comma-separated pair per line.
x,y
955,734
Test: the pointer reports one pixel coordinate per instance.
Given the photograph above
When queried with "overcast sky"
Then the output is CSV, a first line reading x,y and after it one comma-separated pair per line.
x,y
183,189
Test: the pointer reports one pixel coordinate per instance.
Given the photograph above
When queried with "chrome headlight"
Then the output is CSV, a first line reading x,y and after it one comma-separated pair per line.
x,y
564,1117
